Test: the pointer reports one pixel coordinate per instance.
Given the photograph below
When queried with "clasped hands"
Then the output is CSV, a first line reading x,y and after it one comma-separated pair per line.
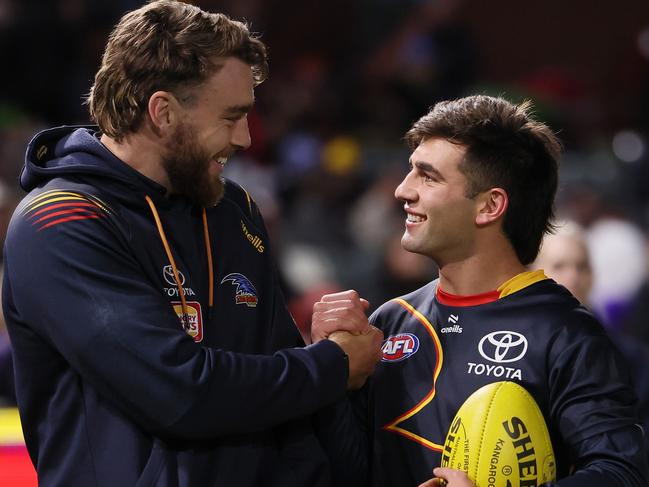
x,y
341,318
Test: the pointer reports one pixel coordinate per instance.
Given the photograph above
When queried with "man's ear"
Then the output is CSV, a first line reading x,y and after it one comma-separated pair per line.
x,y
163,111
492,205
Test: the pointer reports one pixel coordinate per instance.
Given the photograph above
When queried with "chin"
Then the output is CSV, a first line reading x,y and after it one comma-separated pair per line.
x,y
408,244
208,194
215,197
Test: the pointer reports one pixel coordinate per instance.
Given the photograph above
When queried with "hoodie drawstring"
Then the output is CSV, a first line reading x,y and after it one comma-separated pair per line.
x,y
210,270
174,267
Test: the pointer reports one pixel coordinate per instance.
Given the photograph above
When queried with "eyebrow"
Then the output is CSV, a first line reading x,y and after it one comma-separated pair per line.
x,y
429,168
239,109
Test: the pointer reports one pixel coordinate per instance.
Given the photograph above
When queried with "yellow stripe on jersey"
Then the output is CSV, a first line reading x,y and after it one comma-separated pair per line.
x,y
521,281
394,425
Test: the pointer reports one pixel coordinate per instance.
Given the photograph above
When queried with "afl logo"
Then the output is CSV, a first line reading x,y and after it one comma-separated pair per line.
x,y
168,273
396,348
503,346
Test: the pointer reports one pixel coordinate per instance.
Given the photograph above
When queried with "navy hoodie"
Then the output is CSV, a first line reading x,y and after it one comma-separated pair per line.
x,y
114,389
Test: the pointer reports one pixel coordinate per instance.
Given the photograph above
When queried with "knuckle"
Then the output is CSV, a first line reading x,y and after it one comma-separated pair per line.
x,y
332,297
353,294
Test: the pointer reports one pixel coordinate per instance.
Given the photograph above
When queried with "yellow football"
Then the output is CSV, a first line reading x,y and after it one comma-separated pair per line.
x,y
500,439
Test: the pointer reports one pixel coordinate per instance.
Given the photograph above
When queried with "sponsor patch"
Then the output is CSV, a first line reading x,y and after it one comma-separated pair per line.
x,y
503,346
168,274
194,317
245,292
399,347
172,292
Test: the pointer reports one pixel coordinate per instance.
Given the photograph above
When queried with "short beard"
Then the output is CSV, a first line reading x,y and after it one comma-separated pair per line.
x,y
187,168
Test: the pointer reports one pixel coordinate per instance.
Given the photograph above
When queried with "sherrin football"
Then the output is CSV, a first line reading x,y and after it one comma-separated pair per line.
x,y
500,439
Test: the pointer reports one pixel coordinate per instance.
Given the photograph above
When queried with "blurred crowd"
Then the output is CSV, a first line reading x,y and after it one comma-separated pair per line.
x,y
347,80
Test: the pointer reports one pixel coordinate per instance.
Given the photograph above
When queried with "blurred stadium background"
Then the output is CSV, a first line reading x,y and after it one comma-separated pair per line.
x,y
348,77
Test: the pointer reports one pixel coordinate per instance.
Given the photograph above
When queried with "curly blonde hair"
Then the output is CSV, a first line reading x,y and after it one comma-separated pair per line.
x,y
165,45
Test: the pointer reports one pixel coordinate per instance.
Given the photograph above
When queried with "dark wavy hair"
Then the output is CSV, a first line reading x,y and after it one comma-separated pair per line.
x,y
506,148
165,45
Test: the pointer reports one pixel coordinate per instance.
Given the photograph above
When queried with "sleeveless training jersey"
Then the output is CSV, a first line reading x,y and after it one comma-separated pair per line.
x,y
532,332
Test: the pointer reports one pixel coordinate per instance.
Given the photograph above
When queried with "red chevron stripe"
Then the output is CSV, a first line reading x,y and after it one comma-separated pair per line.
x,y
63,212
61,205
70,218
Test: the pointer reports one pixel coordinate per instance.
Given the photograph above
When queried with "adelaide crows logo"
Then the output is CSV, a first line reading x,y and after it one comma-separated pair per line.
x,y
245,292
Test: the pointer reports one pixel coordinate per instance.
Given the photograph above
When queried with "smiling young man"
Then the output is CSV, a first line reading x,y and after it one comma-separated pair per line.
x,y
478,198
151,342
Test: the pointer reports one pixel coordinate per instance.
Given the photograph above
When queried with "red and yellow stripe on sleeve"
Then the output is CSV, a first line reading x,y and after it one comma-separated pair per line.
x,y
56,207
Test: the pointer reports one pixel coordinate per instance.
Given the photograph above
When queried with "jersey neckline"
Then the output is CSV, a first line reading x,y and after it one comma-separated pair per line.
x,y
515,284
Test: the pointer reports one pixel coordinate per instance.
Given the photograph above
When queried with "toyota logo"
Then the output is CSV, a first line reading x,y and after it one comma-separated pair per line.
x,y
503,346
168,274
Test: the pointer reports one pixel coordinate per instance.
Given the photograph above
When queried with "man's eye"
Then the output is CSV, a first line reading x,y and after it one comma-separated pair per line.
x,y
236,117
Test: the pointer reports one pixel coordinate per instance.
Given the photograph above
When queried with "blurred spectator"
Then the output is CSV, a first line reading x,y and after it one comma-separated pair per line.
x,y
423,55
400,272
564,256
308,274
376,216
619,261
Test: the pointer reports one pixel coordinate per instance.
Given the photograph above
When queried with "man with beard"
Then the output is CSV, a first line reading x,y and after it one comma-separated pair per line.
x,y
151,341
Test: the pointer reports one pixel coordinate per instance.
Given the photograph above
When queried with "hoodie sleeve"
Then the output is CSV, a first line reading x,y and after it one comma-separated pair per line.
x,y
75,288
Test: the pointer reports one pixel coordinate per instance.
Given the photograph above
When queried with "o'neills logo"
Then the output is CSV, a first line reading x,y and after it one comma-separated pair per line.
x,y
452,329
254,240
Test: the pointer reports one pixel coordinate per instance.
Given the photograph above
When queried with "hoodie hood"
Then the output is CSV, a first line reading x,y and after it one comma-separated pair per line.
x,y
77,151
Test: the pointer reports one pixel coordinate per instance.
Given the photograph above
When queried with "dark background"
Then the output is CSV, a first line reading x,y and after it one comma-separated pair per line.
x,y
348,77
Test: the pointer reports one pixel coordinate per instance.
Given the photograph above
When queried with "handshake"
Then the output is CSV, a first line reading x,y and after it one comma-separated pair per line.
x,y
340,317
